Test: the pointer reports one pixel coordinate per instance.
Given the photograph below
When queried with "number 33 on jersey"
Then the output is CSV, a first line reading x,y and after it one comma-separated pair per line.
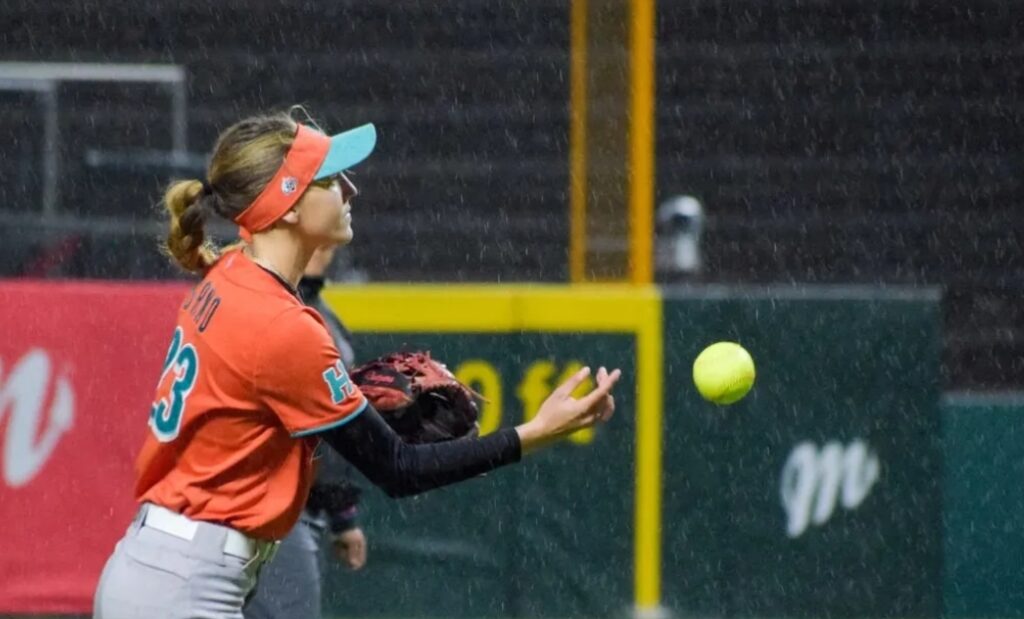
x,y
181,367
250,370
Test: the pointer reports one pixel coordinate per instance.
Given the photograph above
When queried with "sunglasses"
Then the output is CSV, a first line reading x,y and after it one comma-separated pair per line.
x,y
344,183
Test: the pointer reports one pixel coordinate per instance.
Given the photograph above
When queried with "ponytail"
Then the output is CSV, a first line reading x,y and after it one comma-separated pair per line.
x,y
187,205
245,158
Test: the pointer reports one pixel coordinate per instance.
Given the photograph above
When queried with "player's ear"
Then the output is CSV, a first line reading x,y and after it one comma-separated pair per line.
x,y
291,217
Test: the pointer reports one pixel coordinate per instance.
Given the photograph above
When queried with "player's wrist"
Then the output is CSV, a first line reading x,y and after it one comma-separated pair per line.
x,y
534,435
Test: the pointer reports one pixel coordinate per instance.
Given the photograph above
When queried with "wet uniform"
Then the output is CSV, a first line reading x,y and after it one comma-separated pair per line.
x,y
213,501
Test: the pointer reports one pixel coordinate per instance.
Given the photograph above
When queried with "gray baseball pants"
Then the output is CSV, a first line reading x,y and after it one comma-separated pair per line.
x,y
156,575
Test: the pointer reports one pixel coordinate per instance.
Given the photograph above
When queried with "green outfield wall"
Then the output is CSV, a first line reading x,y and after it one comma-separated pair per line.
x,y
571,532
821,493
983,438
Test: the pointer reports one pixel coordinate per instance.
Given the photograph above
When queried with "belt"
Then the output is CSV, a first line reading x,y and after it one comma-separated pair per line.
x,y
236,543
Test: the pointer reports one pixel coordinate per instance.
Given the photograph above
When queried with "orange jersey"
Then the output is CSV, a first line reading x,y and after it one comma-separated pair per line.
x,y
251,375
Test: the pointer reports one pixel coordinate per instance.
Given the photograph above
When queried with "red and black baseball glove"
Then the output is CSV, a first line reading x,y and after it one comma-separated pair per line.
x,y
418,397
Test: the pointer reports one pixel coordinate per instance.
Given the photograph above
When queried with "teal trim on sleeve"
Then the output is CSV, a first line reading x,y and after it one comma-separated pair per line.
x,y
332,425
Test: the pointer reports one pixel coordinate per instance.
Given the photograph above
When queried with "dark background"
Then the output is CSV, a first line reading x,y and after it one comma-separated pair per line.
x,y
869,142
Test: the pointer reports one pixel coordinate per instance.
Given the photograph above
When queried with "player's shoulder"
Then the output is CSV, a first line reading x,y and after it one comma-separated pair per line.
x,y
295,326
292,343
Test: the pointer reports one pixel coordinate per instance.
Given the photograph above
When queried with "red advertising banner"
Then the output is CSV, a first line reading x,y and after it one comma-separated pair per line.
x,y
78,367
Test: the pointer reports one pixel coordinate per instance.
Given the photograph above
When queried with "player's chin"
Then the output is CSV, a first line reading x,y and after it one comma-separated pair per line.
x,y
344,235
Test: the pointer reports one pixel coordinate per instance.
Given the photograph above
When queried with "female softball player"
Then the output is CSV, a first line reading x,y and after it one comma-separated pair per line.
x,y
252,383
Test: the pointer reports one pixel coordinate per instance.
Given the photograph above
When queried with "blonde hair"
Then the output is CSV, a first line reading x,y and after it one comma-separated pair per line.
x,y
245,158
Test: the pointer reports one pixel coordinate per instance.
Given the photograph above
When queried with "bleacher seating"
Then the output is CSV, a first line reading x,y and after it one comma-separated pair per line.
x,y
831,142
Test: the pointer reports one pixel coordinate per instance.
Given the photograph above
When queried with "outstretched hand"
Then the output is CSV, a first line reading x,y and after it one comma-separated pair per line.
x,y
561,414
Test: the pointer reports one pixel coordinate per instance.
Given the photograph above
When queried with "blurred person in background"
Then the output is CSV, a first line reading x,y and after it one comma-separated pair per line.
x,y
252,385
291,585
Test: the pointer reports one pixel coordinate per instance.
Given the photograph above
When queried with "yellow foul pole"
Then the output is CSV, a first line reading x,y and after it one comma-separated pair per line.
x,y
578,141
647,568
641,141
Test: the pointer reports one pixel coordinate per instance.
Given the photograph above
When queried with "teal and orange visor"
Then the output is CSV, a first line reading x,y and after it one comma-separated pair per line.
x,y
312,156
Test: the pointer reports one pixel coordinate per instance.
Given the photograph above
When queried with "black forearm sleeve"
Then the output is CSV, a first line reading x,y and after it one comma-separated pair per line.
x,y
403,469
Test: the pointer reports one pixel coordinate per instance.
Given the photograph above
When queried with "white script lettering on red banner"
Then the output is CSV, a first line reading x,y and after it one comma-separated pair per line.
x,y
814,481
79,363
37,406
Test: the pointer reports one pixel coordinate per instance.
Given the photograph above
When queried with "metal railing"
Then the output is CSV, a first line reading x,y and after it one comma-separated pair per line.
x,y
44,79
